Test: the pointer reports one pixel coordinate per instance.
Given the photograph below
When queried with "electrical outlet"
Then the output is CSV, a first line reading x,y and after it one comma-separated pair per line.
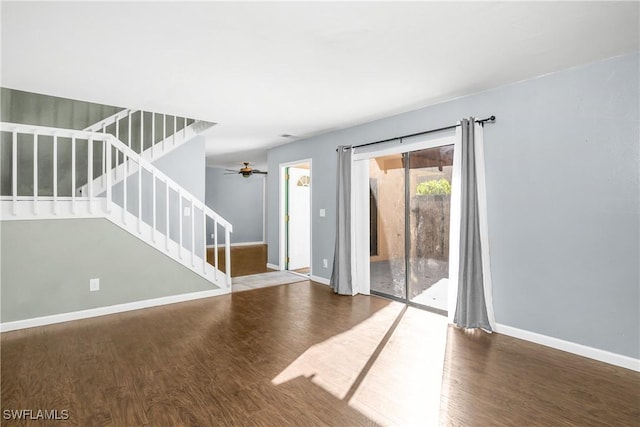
x,y
325,263
94,285
323,212
187,211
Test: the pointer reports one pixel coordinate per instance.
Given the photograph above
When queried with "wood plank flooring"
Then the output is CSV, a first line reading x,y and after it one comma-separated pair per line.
x,y
245,260
300,355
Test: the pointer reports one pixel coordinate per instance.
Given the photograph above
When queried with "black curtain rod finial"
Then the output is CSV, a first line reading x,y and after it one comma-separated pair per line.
x,y
490,119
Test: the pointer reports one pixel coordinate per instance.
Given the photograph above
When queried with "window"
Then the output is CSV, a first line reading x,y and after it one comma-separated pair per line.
x,y
304,181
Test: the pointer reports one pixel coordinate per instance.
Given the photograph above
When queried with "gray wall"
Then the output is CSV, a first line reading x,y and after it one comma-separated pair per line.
x,y
42,110
186,165
239,200
563,198
46,267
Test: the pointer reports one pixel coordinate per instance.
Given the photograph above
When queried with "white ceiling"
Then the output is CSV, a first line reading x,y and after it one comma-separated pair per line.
x,y
302,68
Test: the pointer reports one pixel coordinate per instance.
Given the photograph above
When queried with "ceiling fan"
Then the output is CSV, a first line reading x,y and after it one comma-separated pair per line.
x,y
246,171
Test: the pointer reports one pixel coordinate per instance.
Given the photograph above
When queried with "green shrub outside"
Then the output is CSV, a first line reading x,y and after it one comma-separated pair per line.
x,y
434,187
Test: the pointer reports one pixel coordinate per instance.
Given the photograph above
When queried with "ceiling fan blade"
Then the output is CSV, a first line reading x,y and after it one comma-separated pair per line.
x,y
260,172
231,173
231,170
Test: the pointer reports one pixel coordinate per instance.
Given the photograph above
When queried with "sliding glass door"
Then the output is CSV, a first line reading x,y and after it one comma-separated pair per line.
x,y
411,201
387,264
430,174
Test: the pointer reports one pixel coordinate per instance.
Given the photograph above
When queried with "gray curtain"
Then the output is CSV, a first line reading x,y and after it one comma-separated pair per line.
x,y
341,279
471,309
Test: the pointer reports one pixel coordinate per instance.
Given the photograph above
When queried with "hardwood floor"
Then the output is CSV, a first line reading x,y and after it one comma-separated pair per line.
x,y
300,355
245,260
499,380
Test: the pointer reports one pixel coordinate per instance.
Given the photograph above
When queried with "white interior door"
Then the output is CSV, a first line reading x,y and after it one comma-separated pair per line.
x,y
299,225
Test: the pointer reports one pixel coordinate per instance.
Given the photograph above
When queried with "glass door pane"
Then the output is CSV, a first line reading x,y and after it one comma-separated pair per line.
x,y
387,225
429,195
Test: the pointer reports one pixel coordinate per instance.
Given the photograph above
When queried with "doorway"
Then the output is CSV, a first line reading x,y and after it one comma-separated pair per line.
x,y
296,217
409,229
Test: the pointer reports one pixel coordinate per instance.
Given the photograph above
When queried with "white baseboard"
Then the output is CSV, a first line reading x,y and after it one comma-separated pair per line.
x,y
247,244
233,245
112,309
273,266
571,347
319,279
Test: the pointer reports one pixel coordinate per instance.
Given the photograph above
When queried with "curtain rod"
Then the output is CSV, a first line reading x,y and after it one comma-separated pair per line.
x,y
490,119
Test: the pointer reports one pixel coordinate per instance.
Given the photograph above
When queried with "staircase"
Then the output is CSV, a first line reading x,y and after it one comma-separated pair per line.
x,y
152,135
49,167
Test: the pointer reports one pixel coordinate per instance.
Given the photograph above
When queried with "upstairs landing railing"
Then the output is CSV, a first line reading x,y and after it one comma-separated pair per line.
x,y
147,133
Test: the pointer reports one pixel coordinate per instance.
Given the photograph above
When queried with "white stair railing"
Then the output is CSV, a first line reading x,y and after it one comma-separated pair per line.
x,y
149,213
173,127
152,144
124,119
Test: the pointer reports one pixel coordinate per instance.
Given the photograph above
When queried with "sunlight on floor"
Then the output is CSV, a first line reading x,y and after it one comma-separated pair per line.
x,y
336,362
435,296
388,367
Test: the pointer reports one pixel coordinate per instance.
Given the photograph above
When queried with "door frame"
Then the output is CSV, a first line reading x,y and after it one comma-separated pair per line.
x,y
282,226
361,216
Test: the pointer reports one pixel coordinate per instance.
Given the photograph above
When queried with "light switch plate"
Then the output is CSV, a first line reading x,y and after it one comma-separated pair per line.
x,y
323,212
94,285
